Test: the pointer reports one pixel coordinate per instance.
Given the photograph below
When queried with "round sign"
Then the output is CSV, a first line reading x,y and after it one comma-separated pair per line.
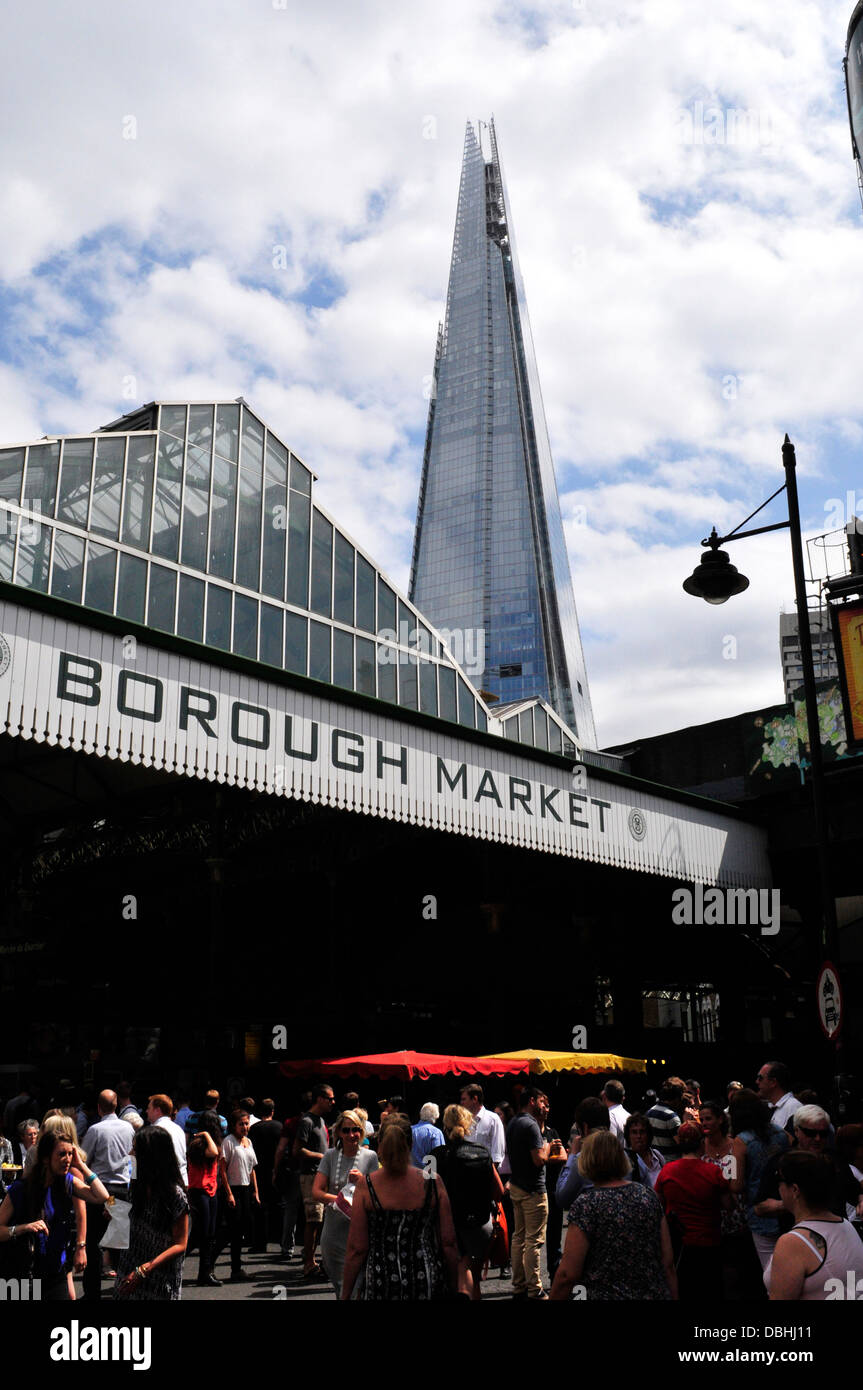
x,y
5,655
828,993
637,824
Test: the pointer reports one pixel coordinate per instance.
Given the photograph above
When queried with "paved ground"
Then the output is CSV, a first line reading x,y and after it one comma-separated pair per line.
x,y
270,1277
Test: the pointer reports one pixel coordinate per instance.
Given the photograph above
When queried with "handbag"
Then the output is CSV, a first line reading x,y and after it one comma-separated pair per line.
x,y
498,1250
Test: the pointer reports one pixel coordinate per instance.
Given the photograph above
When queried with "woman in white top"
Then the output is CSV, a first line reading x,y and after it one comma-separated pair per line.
x,y
821,1257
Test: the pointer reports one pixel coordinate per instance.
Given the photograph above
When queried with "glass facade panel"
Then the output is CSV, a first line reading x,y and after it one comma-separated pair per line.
x,y
196,505
298,551
196,491
555,740
162,598
343,658
222,518
131,588
271,635
34,554
319,651
248,571
408,685
40,480
108,486
343,580
101,572
366,666
8,533
174,421
428,687
11,474
446,686
68,572
275,528
245,626
466,709
201,426
190,608
321,600
387,673
301,478
481,719
75,473
386,608
166,508
228,431
296,643
365,595
218,617
525,727
540,727
139,491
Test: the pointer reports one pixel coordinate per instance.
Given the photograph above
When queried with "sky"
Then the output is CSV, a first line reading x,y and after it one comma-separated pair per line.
x,y
256,198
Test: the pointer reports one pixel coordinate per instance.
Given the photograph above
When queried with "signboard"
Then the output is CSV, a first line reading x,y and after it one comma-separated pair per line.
x,y
848,637
829,996
78,687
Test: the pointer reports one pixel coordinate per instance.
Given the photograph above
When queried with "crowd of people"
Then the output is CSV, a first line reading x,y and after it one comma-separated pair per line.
x,y
745,1197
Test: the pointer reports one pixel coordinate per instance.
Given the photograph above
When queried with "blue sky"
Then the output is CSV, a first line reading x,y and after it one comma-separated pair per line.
x,y
688,225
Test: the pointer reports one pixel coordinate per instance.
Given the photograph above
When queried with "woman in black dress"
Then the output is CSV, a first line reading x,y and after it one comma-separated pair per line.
x,y
152,1267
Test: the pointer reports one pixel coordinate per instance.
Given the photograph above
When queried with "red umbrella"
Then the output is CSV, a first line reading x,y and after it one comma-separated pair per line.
x,y
406,1064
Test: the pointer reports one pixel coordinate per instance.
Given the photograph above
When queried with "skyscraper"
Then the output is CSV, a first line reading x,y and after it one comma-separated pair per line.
x,y
489,550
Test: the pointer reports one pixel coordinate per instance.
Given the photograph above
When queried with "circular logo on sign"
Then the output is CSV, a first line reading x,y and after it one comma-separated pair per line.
x,y
637,825
5,655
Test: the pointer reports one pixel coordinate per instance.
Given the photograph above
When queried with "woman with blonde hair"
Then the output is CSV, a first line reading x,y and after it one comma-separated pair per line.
x,y
401,1231
617,1244
335,1185
472,1184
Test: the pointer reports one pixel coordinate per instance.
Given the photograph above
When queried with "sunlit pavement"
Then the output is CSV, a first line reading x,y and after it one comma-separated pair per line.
x,y
272,1278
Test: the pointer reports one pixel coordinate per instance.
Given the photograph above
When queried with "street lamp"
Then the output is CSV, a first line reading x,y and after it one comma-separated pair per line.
x,y
715,580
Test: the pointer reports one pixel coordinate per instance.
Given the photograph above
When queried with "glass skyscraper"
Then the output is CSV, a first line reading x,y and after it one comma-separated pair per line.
x,y
490,562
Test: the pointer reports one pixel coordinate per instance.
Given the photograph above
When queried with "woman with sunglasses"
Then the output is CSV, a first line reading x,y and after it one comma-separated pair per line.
x,y
334,1185
821,1257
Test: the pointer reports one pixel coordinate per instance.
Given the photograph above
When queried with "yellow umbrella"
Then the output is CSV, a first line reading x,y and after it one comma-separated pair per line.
x,y
586,1062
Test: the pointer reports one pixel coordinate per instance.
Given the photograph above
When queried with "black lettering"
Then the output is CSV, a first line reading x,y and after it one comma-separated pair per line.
x,y
66,677
573,797
264,740
545,800
187,711
299,752
355,753
522,797
490,790
400,762
452,782
153,715
606,805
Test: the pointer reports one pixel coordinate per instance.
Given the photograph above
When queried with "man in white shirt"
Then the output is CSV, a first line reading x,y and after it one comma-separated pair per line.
x,y
612,1095
159,1112
487,1125
773,1084
107,1144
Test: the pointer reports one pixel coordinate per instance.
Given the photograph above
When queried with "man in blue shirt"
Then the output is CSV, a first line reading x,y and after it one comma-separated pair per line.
x,y
426,1134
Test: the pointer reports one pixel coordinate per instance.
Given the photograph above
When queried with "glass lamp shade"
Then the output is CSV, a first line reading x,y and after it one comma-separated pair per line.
x,y
715,579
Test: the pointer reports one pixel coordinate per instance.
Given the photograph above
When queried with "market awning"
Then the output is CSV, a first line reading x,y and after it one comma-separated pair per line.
x,y
408,1065
588,1063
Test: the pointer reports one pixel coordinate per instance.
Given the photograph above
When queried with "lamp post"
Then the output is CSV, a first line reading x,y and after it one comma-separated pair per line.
x,y
715,580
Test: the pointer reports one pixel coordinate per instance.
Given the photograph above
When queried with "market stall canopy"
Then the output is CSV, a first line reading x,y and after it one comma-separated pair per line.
x,y
408,1065
588,1063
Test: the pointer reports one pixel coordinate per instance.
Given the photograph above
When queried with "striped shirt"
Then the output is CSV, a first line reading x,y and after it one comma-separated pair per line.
x,y
665,1123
